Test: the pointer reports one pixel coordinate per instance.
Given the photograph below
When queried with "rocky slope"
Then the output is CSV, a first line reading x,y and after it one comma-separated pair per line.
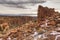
x,y
45,27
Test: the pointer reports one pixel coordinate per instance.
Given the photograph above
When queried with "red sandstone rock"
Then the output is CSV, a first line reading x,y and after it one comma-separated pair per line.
x,y
44,12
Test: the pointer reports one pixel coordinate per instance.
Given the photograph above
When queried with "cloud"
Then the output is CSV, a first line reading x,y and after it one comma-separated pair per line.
x,y
20,3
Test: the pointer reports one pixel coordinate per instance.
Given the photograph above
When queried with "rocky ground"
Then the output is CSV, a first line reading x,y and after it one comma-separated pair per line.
x,y
31,30
47,29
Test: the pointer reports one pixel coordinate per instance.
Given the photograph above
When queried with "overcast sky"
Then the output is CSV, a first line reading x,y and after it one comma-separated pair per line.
x,y
55,0
29,8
